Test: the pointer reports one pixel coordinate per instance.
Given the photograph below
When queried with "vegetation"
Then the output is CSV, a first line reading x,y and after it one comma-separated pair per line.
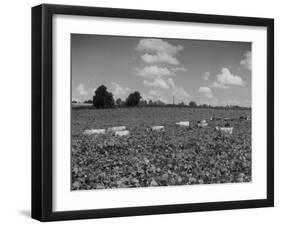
x,y
103,98
133,99
175,156
192,104
88,102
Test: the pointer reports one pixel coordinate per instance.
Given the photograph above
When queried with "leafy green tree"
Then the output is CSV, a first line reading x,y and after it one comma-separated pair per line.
x,y
103,98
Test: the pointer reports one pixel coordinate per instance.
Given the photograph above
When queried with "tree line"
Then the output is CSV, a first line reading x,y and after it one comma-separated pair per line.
x,y
104,99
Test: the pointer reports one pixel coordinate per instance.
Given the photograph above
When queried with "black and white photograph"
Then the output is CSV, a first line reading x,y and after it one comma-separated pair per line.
x,y
149,112
145,112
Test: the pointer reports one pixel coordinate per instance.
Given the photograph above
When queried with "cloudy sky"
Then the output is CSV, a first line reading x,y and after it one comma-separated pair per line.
x,y
211,72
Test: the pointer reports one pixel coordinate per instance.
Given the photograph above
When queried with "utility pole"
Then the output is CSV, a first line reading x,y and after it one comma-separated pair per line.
x,y
173,100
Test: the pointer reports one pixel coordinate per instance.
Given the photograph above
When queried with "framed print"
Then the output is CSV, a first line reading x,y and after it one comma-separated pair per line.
x,y
146,112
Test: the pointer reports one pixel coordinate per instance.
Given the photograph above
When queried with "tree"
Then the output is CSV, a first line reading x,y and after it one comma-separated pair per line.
x,y
88,101
181,104
103,98
205,106
118,101
143,102
192,104
133,99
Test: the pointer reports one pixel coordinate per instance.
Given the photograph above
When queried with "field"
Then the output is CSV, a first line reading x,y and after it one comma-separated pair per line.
x,y
175,156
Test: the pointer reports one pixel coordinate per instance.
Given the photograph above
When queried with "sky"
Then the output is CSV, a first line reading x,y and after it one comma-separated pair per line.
x,y
208,72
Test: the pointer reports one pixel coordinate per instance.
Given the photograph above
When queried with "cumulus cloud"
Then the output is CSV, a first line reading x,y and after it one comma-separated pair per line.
x,y
165,87
206,91
158,45
246,62
155,76
159,58
158,51
156,83
180,94
119,91
178,69
81,90
219,85
153,98
171,83
160,78
155,93
93,91
154,72
226,78
177,91
206,76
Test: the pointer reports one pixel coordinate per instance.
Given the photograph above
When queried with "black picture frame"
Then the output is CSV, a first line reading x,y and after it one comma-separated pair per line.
x,y
42,111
